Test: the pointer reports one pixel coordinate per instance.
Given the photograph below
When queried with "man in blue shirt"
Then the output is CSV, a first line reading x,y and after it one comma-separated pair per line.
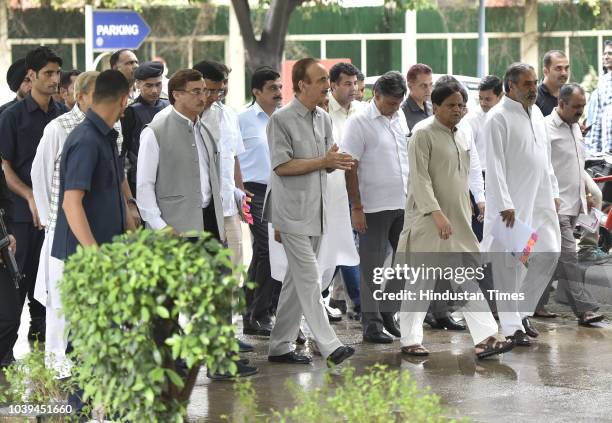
x,y
21,129
93,208
266,87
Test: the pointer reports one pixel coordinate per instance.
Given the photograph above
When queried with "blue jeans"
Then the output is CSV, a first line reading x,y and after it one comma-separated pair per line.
x,y
351,276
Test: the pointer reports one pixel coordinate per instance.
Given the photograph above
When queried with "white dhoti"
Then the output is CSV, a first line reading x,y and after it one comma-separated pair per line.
x,y
46,291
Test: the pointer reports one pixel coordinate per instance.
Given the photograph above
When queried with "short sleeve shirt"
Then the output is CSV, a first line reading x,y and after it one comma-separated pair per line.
x,y
546,101
21,128
413,113
91,163
380,145
295,204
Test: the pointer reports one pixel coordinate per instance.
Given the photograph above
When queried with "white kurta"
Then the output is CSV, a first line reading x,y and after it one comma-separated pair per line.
x,y
520,176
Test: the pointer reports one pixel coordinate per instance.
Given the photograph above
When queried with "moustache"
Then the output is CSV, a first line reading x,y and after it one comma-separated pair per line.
x,y
278,98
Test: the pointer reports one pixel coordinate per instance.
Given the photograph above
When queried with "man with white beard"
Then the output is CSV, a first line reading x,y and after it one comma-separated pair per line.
x,y
520,185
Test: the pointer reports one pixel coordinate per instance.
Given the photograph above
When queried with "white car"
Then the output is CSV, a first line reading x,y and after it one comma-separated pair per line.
x,y
469,82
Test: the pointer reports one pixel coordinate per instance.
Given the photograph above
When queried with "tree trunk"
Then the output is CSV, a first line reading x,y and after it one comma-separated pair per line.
x,y
268,50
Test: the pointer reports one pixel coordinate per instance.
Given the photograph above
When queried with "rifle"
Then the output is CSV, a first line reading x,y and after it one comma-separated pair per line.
x,y
7,255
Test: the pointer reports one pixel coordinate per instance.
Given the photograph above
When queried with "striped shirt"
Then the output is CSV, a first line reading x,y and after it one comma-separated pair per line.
x,y
50,148
600,136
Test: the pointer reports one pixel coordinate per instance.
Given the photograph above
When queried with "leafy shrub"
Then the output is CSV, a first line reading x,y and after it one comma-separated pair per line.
x,y
29,381
123,302
378,396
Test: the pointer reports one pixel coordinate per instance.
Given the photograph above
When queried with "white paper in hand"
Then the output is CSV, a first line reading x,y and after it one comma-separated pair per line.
x,y
590,221
518,240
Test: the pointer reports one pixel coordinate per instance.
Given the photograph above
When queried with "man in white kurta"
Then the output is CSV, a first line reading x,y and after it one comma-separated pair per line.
x,y
45,187
520,185
222,122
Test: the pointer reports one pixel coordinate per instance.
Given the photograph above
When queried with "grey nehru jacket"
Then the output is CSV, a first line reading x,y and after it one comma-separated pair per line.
x,y
295,204
177,187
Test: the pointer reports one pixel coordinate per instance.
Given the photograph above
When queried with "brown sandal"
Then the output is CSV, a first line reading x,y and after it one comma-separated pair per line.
x,y
493,346
416,350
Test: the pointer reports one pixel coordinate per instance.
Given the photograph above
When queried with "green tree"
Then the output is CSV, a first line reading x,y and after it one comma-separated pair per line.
x,y
267,49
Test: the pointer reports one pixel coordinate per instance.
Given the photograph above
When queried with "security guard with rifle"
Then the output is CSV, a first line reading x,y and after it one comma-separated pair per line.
x,y
10,309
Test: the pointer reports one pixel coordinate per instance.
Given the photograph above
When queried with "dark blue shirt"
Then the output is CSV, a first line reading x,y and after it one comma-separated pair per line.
x,y
21,128
7,105
91,163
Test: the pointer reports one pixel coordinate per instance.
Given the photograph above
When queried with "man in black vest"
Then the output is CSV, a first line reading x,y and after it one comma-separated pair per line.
x,y
140,113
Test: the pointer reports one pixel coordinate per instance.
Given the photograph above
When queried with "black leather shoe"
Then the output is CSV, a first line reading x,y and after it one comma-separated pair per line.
x,y
449,323
257,327
339,304
339,355
244,347
290,358
243,371
520,339
332,318
378,338
37,331
390,325
301,338
7,360
432,322
529,328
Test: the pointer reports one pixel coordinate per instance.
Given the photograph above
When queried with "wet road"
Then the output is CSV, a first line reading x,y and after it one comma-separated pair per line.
x,y
565,376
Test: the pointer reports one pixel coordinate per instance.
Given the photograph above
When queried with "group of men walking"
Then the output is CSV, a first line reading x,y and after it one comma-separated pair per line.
x,y
328,184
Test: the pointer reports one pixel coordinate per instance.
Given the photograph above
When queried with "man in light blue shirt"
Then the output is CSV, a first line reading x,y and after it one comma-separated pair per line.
x,y
266,88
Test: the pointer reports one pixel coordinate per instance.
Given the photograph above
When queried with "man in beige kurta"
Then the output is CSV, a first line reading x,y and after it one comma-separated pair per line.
x,y
438,221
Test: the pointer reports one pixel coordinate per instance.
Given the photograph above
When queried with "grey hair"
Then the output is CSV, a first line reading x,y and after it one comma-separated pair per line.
x,y
567,90
513,73
391,84
84,82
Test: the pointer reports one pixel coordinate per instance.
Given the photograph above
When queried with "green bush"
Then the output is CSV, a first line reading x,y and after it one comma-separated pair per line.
x,y
123,302
378,396
30,382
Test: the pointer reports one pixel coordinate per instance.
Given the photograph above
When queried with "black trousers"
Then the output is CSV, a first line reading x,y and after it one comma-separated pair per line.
x,y
10,312
264,298
29,243
210,221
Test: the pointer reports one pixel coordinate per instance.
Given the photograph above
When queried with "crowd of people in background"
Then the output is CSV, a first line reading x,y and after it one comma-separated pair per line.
x,y
332,188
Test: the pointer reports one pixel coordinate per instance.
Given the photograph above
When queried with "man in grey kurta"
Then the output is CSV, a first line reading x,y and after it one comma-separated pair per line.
x,y
301,153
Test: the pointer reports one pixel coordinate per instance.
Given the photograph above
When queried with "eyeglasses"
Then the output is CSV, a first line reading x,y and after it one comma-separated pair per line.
x,y
208,92
195,93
